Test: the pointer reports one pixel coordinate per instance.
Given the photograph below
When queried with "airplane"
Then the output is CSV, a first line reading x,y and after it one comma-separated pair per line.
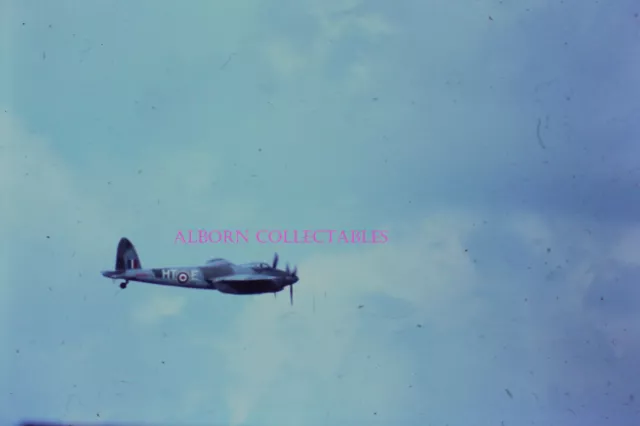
x,y
216,274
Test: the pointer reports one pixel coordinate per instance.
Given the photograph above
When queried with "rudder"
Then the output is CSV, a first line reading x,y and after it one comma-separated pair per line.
x,y
126,256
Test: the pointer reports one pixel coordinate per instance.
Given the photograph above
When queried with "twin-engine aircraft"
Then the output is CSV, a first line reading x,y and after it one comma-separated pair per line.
x,y
216,274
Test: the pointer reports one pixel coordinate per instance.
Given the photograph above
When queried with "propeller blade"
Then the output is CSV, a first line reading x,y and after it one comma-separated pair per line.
x,y
291,294
287,269
295,271
275,261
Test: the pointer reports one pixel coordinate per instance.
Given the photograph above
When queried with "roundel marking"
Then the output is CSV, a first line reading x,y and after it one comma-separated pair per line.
x,y
182,277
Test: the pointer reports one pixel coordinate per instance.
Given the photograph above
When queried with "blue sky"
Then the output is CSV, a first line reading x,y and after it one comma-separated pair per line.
x,y
513,254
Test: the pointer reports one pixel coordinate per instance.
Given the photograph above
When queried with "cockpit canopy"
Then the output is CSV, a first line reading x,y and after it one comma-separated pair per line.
x,y
260,265
216,260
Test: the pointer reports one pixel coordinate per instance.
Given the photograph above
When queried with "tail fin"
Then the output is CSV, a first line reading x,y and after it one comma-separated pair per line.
x,y
126,256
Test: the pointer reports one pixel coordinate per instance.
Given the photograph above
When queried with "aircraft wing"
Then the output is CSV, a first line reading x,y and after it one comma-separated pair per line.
x,y
240,278
246,284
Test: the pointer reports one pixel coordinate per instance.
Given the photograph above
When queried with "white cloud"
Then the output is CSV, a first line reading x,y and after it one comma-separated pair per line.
x,y
628,248
45,197
158,308
32,180
429,272
374,25
360,78
333,7
285,59
532,229
338,24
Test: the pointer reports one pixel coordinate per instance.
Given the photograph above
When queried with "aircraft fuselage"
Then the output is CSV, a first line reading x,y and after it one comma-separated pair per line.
x,y
194,277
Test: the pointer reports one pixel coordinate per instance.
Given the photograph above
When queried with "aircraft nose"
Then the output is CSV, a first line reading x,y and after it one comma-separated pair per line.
x,y
290,280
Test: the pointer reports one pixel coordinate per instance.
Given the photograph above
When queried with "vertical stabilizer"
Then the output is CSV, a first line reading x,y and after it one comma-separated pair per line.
x,y
127,257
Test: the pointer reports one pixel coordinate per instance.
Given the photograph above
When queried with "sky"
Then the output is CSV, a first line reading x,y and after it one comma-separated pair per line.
x,y
495,141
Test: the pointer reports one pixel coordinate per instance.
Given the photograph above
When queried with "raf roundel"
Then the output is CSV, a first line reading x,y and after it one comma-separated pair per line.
x,y
182,277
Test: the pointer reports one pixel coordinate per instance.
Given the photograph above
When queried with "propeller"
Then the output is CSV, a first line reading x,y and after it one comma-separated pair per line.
x,y
294,274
